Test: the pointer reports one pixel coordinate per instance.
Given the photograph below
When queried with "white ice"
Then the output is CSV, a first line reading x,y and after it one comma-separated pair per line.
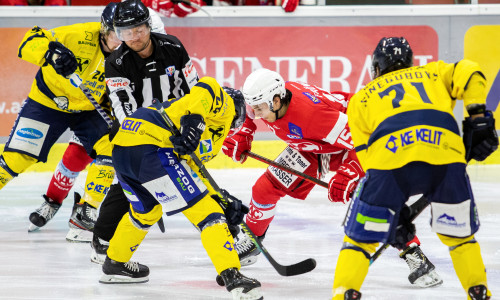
x,y
42,265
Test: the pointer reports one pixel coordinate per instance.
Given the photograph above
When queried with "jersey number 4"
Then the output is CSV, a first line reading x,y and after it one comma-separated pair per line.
x,y
400,93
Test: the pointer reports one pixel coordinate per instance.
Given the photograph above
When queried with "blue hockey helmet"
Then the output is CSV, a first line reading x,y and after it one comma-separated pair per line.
x,y
239,106
107,17
391,54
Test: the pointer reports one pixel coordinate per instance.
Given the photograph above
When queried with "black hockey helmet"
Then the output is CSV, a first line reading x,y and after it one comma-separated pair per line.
x,y
239,106
391,54
107,17
131,13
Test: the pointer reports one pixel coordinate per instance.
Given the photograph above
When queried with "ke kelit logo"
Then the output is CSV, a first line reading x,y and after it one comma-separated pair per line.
x,y
30,133
170,70
133,248
423,135
312,97
228,246
449,221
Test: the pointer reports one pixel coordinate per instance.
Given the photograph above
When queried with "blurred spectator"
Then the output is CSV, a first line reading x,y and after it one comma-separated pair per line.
x,y
182,8
34,2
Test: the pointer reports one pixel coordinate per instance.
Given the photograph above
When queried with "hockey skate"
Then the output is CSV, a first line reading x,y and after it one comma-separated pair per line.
x,y
81,223
118,272
422,271
247,252
43,214
99,250
240,286
478,292
352,294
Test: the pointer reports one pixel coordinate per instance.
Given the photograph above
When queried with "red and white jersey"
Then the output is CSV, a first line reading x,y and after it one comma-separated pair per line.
x,y
315,120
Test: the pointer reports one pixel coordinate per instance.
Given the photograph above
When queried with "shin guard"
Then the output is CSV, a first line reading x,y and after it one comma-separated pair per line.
x,y
467,260
99,178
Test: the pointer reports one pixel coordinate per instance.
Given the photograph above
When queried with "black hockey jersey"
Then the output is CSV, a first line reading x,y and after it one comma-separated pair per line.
x,y
133,82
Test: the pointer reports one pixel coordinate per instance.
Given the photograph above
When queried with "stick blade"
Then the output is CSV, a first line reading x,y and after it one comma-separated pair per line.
x,y
296,269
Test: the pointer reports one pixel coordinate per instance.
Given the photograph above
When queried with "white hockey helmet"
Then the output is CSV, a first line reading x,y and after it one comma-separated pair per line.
x,y
156,22
261,86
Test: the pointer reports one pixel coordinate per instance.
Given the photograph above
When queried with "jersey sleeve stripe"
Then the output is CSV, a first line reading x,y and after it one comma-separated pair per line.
x,y
337,129
429,117
207,87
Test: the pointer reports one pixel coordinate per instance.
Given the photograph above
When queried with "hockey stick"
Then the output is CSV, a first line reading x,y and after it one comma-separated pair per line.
x,y
295,269
415,209
78,82
286,169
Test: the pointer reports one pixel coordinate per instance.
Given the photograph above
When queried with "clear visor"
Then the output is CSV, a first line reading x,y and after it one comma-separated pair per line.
x,y
132,32
258,111
112,40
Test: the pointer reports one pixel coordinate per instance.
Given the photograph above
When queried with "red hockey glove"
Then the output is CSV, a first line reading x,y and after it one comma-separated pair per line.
x,y
290,5
164,7
235,145
344,181
183,9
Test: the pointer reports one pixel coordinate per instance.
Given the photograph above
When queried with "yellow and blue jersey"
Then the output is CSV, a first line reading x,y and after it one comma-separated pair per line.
x,y
83,40
146,126
407,115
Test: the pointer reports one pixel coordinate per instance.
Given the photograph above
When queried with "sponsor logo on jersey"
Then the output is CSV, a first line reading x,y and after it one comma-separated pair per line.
x,y
161,197
228,246
295,131
131,125
117,82
449,221
188,69
312,97
205,146
30,133
83,63
217,132
407,138
170,70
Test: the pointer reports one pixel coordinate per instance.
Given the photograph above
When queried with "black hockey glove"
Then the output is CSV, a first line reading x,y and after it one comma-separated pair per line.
x,y
235,211
480,137
61,59
405,231
192,127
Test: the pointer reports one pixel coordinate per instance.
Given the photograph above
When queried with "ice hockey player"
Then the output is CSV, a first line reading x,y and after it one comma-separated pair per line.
x,y
156,172
100,173
55,104
291,111
408,141
146,66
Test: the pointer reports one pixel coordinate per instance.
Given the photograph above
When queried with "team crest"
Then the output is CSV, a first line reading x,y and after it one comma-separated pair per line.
x,y
170,70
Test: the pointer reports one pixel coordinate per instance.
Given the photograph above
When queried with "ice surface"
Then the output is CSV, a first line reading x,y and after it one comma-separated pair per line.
x,y
43,265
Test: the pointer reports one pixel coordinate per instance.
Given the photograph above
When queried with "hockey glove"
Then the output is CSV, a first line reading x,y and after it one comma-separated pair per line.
x,y
480,137
344,181
241,142
405,231
192,127
61,59
235,211
182,9
290,5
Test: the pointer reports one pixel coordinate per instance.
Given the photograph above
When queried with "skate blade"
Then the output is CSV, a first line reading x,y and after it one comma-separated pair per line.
x,y
254,294
117,279
429,280
76,235
96,258
33,227
248,261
